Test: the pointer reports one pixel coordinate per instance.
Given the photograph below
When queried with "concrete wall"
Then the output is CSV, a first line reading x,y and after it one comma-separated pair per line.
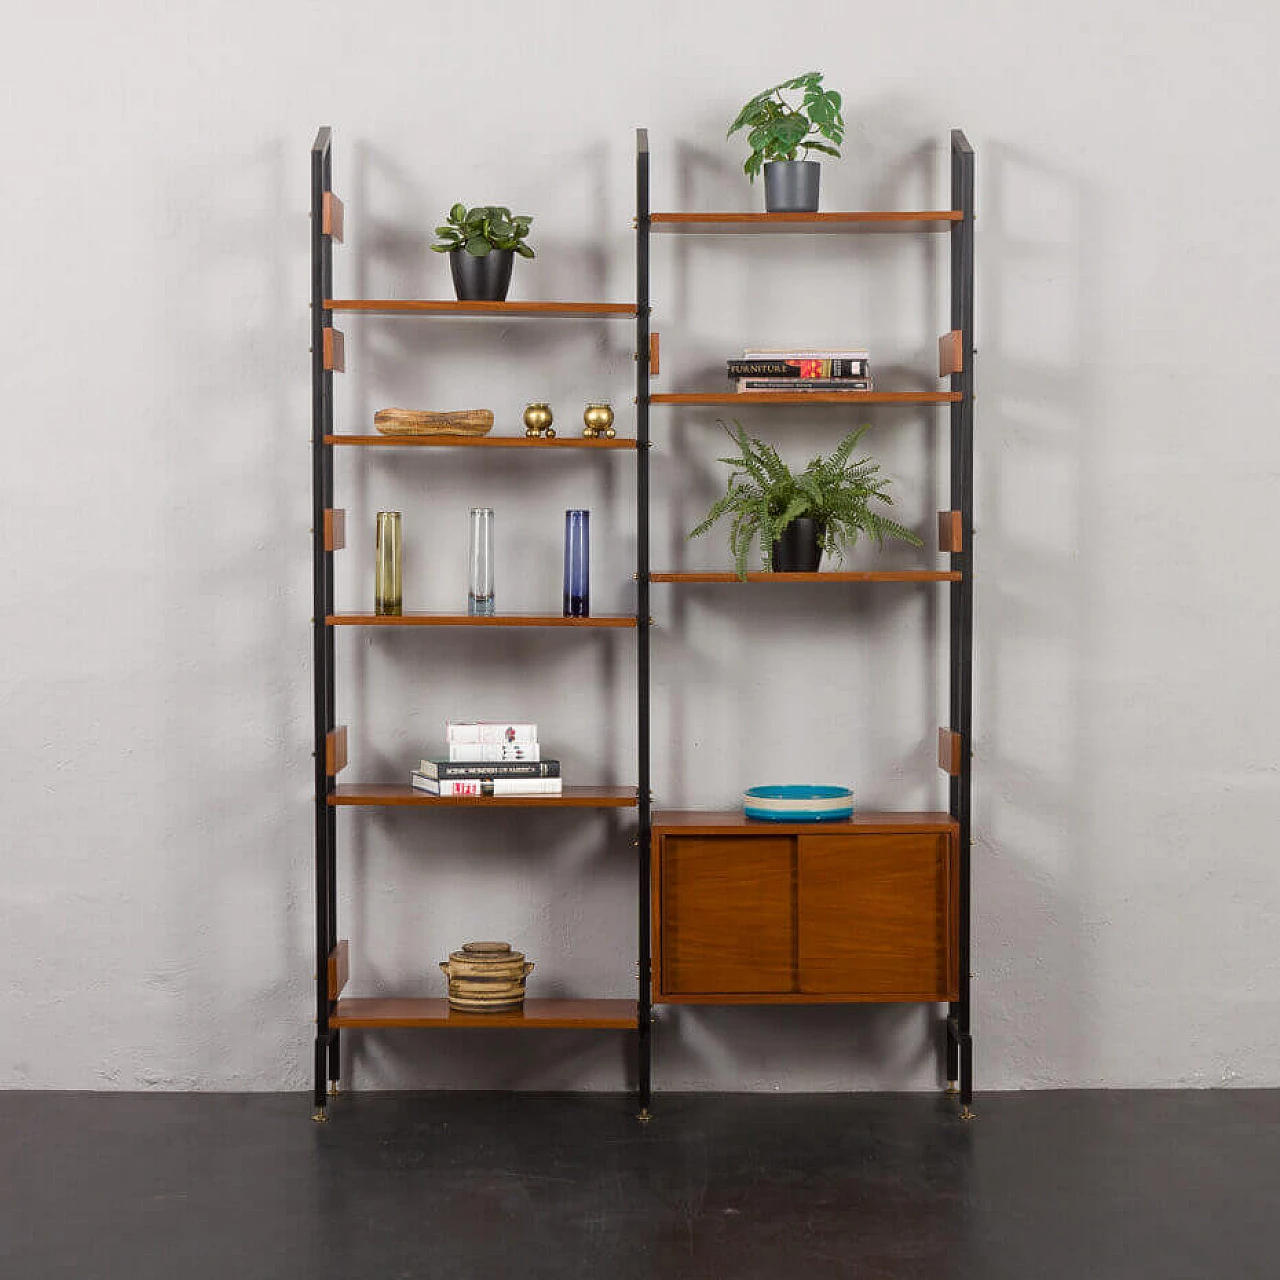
x,y
155,694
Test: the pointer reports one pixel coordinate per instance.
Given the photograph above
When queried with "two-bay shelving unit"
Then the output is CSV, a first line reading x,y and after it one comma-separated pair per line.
x,y
729,911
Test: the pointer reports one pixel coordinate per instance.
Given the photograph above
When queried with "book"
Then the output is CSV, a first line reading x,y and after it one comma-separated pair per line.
x,y
805,384
489,732
489,768
494,751
799,367
806,353
446,787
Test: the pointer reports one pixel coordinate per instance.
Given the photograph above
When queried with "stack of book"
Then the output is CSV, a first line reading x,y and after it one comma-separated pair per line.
x,y
489,758
802,369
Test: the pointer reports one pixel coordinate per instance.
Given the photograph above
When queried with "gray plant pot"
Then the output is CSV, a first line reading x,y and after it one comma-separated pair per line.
x,y
791,186
484,279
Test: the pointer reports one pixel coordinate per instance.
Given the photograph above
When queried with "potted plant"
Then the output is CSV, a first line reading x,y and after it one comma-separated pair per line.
x,y
780,130
481,244
798,517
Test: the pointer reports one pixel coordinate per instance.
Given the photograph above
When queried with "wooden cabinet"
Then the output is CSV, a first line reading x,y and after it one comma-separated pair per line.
x,y
864,910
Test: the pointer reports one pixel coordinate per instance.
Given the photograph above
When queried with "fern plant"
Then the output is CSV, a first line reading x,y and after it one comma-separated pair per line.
x,y
764,496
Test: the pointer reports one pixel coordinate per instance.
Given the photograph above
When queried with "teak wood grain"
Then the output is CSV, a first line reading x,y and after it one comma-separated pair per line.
x,y
332,216
751,912
951,531
727,919
486,442
950,353
881,575
358,1012
382,794
335,351
432,307
339,968
335,529
807,397
874,916
949,752
415,619
861,221
335,750
655,354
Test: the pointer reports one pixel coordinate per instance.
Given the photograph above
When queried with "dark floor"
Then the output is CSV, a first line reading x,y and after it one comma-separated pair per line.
x,y
1087,1185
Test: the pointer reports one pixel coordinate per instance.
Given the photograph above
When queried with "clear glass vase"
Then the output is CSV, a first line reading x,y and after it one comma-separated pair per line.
x,y
577,564
480,563
387,580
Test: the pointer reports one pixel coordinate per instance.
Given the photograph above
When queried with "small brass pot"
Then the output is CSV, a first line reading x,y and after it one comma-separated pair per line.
x,y
598,421
538,419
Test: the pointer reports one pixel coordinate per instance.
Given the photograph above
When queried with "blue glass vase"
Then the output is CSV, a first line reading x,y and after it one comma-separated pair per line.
x,y
577,564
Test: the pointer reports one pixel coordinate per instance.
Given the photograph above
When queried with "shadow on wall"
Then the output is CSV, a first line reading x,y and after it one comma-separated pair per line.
x,y
233,903
1038,443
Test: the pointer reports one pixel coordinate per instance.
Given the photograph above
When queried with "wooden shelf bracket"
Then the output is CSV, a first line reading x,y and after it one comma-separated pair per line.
x,y
335,751
949,747
335,529
950,353
335,351
339,968
951,531
331,216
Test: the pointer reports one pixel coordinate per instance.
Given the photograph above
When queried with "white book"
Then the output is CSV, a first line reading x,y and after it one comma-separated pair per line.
x,y
487,787
807,353
489,752
489,732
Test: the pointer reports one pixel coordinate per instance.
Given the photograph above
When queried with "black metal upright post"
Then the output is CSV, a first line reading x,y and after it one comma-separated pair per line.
x,y
326,1047
959,1022
644,1007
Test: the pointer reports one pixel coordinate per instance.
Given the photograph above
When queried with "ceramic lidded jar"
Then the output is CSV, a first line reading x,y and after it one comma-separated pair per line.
x,y
486,977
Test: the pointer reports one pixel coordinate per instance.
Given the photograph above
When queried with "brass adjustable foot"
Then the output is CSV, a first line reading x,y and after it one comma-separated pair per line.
x,y
953,1087
644,1117
333,1089
320,1116
967,1113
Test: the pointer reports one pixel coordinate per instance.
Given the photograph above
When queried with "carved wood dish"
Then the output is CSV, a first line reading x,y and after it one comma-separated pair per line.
x,y
421,422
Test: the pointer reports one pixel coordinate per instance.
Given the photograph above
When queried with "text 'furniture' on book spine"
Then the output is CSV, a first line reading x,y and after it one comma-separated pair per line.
x,y
446,787
490,731
798,368
490,768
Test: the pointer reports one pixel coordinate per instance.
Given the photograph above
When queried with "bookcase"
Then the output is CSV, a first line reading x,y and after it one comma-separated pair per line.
x,y
728,910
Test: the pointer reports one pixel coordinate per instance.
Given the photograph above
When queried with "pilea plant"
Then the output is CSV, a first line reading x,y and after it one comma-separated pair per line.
x,y
764,496
780,130
486,227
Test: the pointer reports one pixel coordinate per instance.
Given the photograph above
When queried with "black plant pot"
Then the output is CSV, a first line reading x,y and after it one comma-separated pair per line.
x,y
484,279
791,186
799,550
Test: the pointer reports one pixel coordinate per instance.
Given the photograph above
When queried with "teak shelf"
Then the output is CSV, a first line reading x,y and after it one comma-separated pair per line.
x,y
833,577
731,910
807,223
412,619
806,397
394,793
484,442
418,307
535,1015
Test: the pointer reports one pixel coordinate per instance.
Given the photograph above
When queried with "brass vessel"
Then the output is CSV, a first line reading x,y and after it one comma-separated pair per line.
x,y
537,421
598,421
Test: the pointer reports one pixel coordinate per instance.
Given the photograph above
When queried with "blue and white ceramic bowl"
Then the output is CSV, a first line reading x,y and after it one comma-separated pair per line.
x,y
798,803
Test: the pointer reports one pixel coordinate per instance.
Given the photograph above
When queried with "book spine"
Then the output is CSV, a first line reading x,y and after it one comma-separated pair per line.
x,y
804,384
806,353
490,768
446,787
487,751
489,732
799,368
